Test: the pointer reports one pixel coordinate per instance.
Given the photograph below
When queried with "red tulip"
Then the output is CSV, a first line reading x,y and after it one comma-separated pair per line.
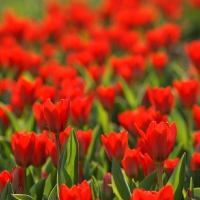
x,y
195,161
196,137
23,145
84,139
4,120
131,163
159,61
187,92
4,177
115,144
148,165
79,192
39,115
40,153
170,164
106,189
166,193
159,139
17,180
162,99
196,113
56,115
106,96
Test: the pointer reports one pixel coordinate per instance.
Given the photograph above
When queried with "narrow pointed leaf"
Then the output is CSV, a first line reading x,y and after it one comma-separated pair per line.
x,y
22,197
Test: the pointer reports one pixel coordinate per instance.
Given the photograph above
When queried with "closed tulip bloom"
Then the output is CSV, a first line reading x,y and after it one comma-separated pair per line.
x,y
166,193
106,188
196,137
106,96
23,146
17,180
39,116
159,139
79,192
56,115
162,99
187,92
196,113
131,163
40,153
195,161
4,177
115,144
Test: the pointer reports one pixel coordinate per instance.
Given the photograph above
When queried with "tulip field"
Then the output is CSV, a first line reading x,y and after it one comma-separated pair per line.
x,y
100,100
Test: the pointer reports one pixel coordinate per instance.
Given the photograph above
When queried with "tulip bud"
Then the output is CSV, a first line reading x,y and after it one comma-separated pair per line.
x,y
17,179
107,190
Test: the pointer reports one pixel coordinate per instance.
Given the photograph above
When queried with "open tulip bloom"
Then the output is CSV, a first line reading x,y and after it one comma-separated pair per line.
x,y
99,100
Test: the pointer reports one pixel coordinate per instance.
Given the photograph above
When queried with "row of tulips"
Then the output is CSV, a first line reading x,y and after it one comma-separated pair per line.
x,y
101,103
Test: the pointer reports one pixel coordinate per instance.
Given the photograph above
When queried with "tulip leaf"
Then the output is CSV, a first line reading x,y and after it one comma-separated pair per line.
x,y
48,185
95,188
119,184
7,192
91,149
13,119
103,117
177,178
191,188
22,197
36,190
197,193
128,93
30,178
181,128
68,163
148,181
54,194
30,122
176,151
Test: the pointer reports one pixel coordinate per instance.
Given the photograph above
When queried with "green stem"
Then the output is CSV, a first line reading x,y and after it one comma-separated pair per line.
x,y
58,145
24,181
159,175
39,172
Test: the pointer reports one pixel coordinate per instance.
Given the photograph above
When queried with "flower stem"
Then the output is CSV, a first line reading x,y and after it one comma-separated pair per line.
x,y
39,172
24,181
58,145
159,175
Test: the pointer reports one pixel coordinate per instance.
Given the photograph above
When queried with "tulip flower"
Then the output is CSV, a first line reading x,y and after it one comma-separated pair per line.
x,y
159,139
39,116
162,99
131,163
187,92
170,164
4,177
195,161
106,188
196,113
115,144
166,193
56,115
17,180
79,192
196,137
106,96
23,145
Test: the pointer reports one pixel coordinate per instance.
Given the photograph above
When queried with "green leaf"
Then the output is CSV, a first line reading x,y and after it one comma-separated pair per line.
x,y
95,188
177,178
30,178
185,196
30,123
181,137
68,163
197,193
37,190
128,93
12,117
176,151
22,197
7,192
48,185
119,184
191,188
102,117
54,194
91,150
148,181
